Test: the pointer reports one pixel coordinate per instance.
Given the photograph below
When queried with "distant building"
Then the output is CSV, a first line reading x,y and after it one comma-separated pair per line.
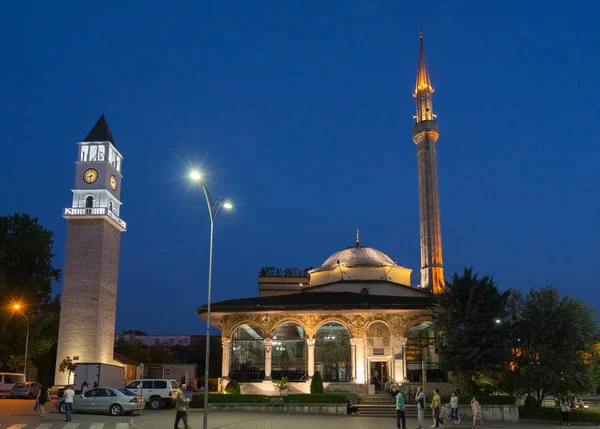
x,y
159,340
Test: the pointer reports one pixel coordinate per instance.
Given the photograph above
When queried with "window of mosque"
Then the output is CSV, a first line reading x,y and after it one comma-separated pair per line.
x,y
288,356
332,352
247,354
421,354
89,202
364,291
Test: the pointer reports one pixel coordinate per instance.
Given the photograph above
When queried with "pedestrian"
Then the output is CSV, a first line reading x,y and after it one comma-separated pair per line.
x,y
421,404
454,406
84,387
436,403
43,397
476,407
181,406
565,409
68,395
95,384
400,411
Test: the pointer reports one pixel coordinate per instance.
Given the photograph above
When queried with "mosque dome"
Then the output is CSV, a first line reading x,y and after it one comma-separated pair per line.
x,y
357,256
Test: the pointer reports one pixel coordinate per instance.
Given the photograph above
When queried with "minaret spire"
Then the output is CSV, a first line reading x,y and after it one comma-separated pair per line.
x,y
425,134
357,237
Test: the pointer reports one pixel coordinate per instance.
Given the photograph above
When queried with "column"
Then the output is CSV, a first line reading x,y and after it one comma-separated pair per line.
x,y
353,358
226,346
361,370
398,350
268,347
404,358
310,342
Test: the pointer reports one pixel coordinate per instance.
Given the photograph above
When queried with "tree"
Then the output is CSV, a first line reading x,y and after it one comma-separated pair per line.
x,y
470,315
26,276
316,384
67,365
282,386
554,339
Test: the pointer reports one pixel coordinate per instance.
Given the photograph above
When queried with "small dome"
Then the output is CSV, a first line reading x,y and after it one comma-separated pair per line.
x,y
357,256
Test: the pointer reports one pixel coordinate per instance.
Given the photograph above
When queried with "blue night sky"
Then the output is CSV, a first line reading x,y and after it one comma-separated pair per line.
x,y
301,113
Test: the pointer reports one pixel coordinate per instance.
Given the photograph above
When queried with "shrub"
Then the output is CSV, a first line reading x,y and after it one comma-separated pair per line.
x,y
282,385
233,388
553,413
316,384
317,398
220,398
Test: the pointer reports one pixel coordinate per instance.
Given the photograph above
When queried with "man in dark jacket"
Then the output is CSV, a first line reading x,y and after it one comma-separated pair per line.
x,y
181,407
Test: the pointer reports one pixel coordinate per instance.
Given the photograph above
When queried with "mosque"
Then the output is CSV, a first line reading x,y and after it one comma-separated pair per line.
x,y
356,319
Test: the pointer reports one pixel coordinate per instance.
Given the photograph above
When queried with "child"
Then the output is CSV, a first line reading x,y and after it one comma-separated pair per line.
x,y
476,411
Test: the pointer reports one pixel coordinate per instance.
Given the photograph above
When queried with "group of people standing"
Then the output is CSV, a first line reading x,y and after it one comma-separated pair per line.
x,y
436,406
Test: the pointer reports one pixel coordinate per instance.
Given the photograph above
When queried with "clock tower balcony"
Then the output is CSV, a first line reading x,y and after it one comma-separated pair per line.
x,y
95,213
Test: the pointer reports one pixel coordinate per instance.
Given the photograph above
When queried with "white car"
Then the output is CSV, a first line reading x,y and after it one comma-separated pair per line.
x,y
159,392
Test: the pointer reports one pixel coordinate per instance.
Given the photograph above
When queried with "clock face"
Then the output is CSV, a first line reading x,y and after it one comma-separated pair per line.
x,y
90,175
113,183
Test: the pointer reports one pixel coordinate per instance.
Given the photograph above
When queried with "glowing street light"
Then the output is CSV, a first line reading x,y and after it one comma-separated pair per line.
x,y
18,308
213,209
498,321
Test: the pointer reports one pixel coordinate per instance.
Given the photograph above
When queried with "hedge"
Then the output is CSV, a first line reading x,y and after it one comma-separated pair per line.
x,y
483,400
220,398
553,413
315,398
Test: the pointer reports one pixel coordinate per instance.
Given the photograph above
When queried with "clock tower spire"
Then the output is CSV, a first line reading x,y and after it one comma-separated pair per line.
x,y
89,295
425,134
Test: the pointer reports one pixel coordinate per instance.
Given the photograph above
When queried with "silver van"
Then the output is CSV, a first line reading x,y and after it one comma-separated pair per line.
x,y
8,380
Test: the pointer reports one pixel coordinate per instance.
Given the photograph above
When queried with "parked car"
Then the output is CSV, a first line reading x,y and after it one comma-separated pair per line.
x,y
8,380
29,390
105,400
158,392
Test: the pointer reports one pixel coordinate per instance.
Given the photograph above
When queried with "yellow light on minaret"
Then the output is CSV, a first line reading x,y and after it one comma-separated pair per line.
x,y
423,80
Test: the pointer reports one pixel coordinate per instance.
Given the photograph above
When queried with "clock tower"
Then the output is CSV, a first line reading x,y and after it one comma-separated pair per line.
x,y
89,296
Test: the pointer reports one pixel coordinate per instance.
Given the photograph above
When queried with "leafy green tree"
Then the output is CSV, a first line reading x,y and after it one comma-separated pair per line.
x,y
555,338
67,365
26,276
470,316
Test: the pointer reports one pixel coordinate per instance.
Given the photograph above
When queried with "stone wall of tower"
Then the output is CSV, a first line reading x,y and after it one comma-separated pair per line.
x,y
425,135
89,297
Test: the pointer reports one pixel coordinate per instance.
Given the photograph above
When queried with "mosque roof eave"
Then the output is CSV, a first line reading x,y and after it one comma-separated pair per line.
x,y
332,301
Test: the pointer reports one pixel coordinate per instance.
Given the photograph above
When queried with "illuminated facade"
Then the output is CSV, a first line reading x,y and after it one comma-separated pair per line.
x,y
356,318
89,295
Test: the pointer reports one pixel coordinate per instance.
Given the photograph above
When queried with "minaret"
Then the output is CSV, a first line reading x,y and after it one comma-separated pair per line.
x,y
89,296
425,134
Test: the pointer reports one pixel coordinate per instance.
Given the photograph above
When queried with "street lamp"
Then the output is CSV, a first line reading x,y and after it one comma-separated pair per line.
x,y
18,308
213,209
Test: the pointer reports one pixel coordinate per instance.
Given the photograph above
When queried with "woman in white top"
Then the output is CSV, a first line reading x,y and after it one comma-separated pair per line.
x,y
453,406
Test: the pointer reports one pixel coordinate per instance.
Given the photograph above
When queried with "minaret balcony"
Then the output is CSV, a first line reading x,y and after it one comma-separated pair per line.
x,y
95,213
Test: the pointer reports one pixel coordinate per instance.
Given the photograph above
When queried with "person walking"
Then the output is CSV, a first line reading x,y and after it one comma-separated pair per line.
x,y
565,409
400,411
181,407
476,411
436,403
84,387
68,395
421,405
454,406
43,397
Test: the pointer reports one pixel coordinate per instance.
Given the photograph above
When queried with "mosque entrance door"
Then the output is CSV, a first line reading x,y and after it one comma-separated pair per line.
x,y
379,374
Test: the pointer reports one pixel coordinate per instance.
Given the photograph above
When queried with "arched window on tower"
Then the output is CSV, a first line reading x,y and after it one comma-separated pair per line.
x,y
110,206
89,202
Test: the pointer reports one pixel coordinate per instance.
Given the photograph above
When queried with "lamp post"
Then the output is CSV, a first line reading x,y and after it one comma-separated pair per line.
x,y
213,209
18,308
